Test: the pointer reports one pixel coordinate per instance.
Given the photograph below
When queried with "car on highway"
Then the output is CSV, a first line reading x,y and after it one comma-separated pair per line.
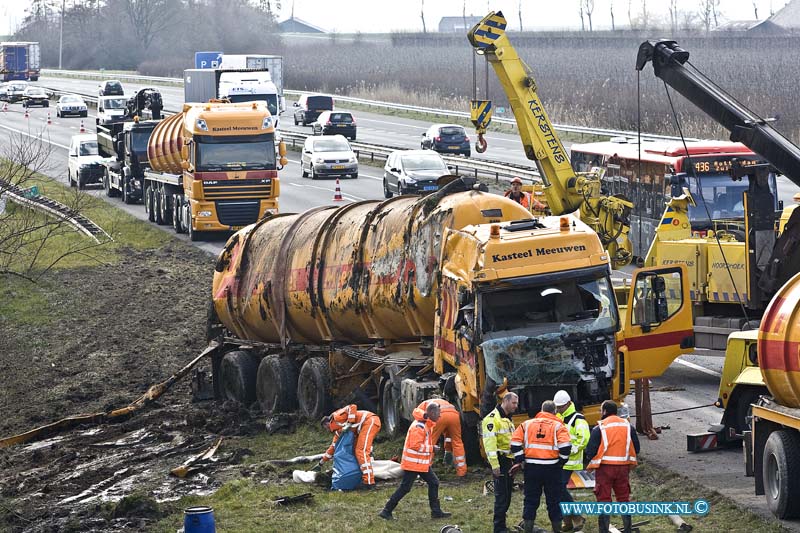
x,y
446,139
71,104
111,109
15,91
110,88
412,172
35,96
335,122
83,164
328,156
309,106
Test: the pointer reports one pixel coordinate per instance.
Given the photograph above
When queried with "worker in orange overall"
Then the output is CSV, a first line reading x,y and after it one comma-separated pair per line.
x,y
523,198
449,425
418,453
366,425
543,444
612,446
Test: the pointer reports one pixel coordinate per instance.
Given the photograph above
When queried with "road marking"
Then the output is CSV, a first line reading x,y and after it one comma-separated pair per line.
x,y
39,137
699,368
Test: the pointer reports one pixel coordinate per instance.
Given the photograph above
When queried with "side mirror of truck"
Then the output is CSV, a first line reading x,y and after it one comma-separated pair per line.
x,y
282,149
660,294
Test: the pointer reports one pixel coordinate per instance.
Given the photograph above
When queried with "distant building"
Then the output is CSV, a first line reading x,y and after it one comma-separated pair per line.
x,y
785,20
457,24
738,25
295,25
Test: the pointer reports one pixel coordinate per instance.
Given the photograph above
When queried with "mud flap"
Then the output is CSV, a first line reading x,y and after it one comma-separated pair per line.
x,y
658,324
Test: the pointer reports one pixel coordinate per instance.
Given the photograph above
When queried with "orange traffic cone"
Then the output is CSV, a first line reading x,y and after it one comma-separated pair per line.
x,y
337,196
26,113
48,119
5,107
82,130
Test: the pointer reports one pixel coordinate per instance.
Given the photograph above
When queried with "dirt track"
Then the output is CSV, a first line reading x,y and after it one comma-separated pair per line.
x,y
119,329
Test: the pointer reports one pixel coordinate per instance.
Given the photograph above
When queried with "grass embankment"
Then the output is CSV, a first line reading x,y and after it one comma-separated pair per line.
x,y
246,504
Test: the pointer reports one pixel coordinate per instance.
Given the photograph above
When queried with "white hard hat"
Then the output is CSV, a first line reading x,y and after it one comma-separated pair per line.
x,y
624,411
561,398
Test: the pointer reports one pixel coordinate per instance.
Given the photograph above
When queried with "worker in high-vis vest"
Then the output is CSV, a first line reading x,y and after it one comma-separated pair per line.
x,y
366,425
542,444
496,430
612,446
579,437
449,425
417,459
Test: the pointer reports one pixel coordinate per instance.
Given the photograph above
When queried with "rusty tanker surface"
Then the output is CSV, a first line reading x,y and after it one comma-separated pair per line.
x,y
355,274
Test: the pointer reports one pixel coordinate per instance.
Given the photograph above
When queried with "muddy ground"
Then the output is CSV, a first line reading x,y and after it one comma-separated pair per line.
x,y
117,330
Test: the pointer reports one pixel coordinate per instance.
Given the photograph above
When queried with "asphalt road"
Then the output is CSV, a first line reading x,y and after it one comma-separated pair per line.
x,y
690,381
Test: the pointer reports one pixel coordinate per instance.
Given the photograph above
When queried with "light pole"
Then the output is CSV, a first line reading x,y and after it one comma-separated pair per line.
x,y
61,34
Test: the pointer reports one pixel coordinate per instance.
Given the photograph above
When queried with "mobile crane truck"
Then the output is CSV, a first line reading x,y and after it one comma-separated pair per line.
x,y
213,167
769,261
460,293
565,190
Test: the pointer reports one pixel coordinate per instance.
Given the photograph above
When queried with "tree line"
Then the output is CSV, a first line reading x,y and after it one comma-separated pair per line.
x,y
154,36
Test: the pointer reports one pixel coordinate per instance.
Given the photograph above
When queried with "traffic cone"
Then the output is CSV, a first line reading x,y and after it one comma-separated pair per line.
x,y
48,119
5,107
337,196
82,130
26,113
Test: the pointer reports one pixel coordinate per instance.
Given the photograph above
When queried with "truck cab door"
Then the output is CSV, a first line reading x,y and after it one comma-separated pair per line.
x,y
658,323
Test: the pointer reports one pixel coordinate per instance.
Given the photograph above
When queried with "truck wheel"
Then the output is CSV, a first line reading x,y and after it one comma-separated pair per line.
x,y
238,371
164,206
393,423
176,214
781,471
276,385
84,114
314,388
126,195
157,205
148,203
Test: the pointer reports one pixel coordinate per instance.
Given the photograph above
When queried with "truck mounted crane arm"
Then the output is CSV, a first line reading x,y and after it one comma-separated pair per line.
x,y
669,64
565,190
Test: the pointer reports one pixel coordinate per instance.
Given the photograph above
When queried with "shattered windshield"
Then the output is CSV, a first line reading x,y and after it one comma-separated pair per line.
x,y
549,333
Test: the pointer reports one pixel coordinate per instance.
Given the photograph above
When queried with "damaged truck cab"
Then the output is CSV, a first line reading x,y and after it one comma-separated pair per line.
x,y
460,293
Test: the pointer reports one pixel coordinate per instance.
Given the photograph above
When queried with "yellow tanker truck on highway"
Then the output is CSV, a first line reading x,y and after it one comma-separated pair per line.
x,y
213,167
461,293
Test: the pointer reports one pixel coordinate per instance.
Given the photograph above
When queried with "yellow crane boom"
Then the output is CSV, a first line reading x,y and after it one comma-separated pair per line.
x,y
566,191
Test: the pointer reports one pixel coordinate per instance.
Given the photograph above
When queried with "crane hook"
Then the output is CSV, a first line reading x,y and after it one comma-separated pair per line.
x,y
480,144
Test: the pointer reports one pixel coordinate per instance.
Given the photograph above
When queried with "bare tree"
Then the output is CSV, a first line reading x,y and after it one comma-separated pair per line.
x,y
611,8
673,15
422,15
519,12
706,8
588,8
148,18
630,13
580,7
715,11
755,9
32,243
645,21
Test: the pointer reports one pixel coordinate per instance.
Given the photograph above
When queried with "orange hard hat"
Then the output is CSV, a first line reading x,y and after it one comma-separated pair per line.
x,y
516,180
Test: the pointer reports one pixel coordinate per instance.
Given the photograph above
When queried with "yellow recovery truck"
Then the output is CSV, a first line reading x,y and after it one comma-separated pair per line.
x,y
460,293
565,190
770,255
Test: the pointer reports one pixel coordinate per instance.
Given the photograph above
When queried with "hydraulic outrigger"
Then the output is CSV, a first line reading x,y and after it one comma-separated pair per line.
x,y
566,191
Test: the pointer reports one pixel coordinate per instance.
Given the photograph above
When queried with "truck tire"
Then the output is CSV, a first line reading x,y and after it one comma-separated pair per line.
x,y
393,423
238,371
157,205
314,388
148,203
276,385
164,205
781,471
176,213
127,198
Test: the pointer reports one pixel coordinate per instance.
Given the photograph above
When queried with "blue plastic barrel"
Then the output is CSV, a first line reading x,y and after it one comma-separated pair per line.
x,y
199,519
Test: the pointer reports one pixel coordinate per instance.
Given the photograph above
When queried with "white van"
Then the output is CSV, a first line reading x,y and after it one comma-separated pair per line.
x,y
83,166
111,109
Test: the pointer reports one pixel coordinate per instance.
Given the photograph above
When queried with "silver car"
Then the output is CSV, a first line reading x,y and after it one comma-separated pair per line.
x,y
328,156
71,104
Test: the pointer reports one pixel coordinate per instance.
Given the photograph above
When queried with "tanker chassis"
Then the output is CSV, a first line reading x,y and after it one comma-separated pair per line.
x,y
460,293
213,167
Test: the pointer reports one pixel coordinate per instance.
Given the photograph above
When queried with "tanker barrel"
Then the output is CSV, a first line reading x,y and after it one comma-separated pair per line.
x,y
779,344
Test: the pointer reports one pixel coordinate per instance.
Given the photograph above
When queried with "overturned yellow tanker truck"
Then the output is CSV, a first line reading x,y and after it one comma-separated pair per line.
x,y
213,167
460,293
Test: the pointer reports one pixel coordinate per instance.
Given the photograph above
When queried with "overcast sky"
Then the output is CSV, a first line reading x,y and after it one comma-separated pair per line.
x,y
367,16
